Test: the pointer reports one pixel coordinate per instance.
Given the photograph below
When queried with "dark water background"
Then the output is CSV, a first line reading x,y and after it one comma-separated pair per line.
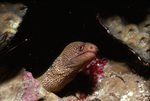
x,y
50,25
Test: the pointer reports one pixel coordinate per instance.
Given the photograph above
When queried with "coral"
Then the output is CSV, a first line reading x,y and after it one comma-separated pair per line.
x,y
31,87
95,69
112,80
145,25
23,87
117,84
70,98
10,18
12,89
116,87
136,37
117,67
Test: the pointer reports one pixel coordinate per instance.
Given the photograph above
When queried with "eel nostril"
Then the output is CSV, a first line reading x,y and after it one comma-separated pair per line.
x,y
91,47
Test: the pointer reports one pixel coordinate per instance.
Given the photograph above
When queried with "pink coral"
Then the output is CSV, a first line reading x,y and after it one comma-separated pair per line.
x,y
95,71
95,68
31,87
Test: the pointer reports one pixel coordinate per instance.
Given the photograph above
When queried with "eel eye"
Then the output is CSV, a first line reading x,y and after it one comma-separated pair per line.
x,y
81,47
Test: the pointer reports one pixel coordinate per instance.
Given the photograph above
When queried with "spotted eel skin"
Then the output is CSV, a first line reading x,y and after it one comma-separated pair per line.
x,y
74,57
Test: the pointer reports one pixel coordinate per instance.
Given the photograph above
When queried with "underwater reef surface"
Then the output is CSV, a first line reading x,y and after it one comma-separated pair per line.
x,y
10,18
23,87
120,84
114,81
111,80
136,37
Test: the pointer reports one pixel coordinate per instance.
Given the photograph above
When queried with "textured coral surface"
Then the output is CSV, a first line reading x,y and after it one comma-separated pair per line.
x,y
31,87
120,84
95,69
112,80
10,18
134,36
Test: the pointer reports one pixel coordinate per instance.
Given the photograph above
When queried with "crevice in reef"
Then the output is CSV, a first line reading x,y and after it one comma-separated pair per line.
x,y
82,83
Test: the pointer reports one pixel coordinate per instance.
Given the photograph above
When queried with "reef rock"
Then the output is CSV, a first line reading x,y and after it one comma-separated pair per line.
x,y
136,37
11,16
120,84
23,87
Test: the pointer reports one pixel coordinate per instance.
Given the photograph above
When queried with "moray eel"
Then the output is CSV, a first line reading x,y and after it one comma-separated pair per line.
x,y
73,58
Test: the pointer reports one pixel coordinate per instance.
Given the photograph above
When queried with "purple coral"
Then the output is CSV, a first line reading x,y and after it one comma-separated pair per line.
x,y
95,69
31,87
